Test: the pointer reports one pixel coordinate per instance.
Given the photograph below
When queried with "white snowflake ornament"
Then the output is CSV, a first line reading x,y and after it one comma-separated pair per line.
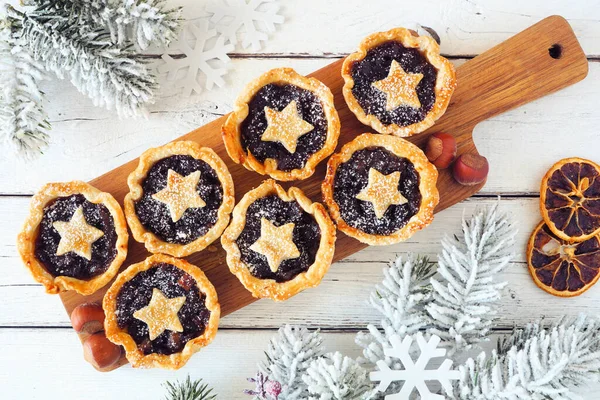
x,y
254,16
415,374
205,57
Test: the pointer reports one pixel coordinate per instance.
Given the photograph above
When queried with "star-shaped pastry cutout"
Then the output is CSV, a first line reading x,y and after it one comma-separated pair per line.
x,y
180,194
285,126
161,314
400,87
76,235
382,191
275,243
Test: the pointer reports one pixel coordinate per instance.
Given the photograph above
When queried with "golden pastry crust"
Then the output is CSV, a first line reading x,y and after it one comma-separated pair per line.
x,y
28,236
153,243
232,134
269,288
120,336
427,186
444,86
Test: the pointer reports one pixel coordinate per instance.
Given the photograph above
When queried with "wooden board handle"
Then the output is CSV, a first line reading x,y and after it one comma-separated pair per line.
x,y
515,72
540,60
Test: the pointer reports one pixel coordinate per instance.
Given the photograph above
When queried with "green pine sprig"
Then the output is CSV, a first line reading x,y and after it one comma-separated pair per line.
x,y
189,390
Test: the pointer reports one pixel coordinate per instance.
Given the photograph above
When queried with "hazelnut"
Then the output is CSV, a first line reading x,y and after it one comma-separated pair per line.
x,y
441,149
88,318
470,169
101,352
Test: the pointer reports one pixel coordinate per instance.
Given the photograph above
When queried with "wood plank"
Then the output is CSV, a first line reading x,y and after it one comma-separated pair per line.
x,y
465,27
342,298
521,144
500,79
344,291
32,354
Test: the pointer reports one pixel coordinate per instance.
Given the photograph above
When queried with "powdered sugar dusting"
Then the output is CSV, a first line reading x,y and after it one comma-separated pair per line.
x,y
285,126
103,250
352,178
275,243
278,97
306,236
399,87
76,235
173,283
376,66
194,222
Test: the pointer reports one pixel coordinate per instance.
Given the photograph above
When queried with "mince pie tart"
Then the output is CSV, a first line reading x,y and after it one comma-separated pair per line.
x,y
397,82
278,243
75,238
283,124
180,197
380,189
161,310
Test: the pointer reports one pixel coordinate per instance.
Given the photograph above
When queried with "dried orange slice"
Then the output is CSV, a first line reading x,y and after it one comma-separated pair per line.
x,y
560,267
570,199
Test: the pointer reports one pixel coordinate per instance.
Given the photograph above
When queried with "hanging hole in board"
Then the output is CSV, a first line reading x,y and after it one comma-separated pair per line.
x,y
555,51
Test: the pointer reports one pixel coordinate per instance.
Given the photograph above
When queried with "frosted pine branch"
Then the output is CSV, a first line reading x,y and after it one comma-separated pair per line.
x,y
111,77
23,120
288,357
400,299
536,363
465,295
336,377
128,21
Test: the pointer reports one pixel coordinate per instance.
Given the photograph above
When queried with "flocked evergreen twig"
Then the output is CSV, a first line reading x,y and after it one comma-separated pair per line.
x,y
23,120
536,363
112,77
533,363
127,21
288,357
337,377
400,299
88,41
189,390
464,300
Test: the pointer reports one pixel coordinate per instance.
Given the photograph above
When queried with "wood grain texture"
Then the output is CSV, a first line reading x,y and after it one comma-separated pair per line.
x,y
511,74
520,143
330,28
344,292
222,365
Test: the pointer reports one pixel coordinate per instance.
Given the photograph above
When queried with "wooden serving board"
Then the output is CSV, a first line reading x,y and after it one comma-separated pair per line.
x,y
513,73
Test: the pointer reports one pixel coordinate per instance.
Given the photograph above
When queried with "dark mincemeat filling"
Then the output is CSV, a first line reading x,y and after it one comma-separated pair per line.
x,y
70,264
277,97
306,237
172,282
353,176
376,66
195,222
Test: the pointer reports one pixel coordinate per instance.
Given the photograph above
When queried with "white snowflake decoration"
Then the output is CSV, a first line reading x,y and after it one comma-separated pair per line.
x,y
231,15
415,374
207,57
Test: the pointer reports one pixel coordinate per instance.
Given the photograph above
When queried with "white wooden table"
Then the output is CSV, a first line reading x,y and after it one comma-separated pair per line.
x,y
41,357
